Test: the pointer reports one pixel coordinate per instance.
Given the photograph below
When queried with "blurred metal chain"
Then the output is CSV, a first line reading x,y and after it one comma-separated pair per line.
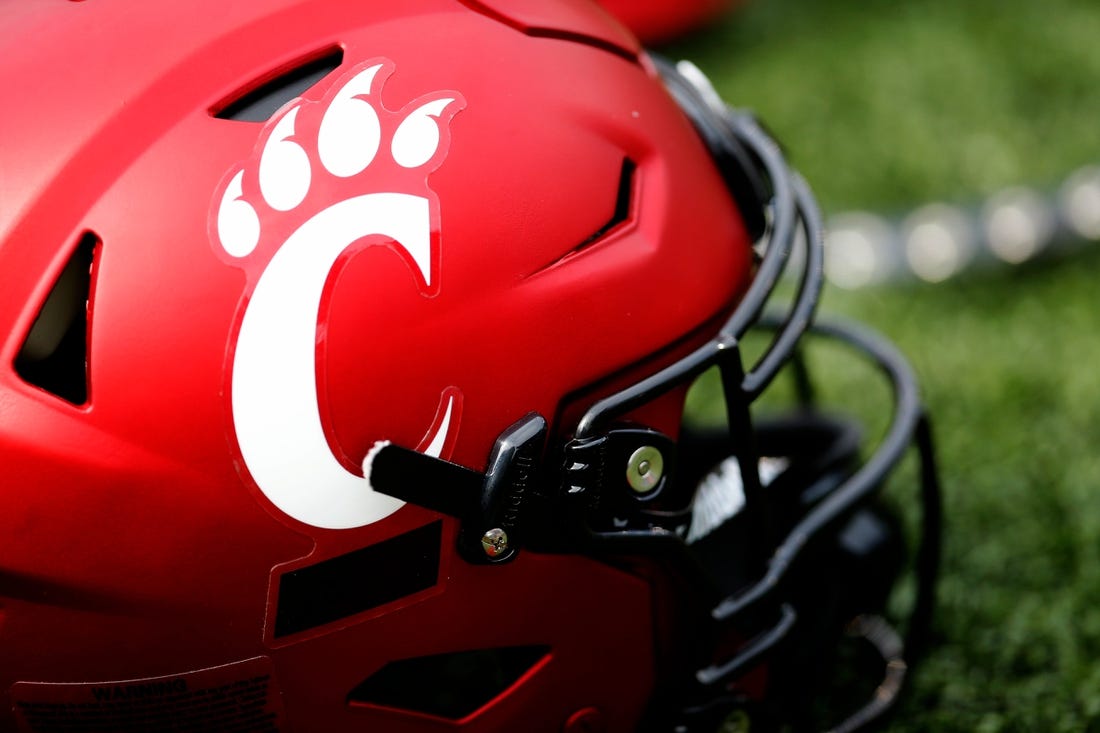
x,y
940,240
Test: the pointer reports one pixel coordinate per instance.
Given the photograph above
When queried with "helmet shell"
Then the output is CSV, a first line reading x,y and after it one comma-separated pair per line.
x,y
578,232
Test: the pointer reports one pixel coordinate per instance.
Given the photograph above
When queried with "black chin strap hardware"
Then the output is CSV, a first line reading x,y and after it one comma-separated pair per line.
x,y
614,476
610,479
493,507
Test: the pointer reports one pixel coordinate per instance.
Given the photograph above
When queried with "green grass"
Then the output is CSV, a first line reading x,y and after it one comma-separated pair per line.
x,y
885,106
1008,369
885,103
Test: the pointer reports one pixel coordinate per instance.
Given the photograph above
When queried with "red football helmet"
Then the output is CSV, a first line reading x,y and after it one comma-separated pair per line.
x,y
347,346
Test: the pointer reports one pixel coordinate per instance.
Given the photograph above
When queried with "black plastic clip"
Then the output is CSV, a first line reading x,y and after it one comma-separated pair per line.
x,y
509,486
617,471
491,506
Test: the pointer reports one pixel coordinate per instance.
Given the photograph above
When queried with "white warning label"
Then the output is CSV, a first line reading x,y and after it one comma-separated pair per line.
x,y
235,698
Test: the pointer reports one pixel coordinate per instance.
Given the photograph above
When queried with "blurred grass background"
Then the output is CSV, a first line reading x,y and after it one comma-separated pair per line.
x,y
886,106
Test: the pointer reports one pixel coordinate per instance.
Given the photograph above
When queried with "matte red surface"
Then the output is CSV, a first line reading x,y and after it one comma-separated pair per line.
x,y
135,542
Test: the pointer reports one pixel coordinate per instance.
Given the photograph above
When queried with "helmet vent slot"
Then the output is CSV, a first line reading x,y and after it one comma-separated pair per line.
x,y
333,590
624,209
624,204
54,356
451,686
265,97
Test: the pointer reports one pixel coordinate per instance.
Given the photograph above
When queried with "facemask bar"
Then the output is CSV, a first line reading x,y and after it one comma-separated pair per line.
x,y
909,427
791,207
734,139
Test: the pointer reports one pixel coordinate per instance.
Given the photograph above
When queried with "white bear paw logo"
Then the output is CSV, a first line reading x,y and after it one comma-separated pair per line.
x,y
325,174
348,128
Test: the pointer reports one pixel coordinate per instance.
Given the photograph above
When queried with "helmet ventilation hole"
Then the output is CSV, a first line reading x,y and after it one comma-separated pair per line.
x,y
262,99
333,589
624,208
624,199
54,356
450,686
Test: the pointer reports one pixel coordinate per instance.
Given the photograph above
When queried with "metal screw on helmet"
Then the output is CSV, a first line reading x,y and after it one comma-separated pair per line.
x,y
495,542
645,469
